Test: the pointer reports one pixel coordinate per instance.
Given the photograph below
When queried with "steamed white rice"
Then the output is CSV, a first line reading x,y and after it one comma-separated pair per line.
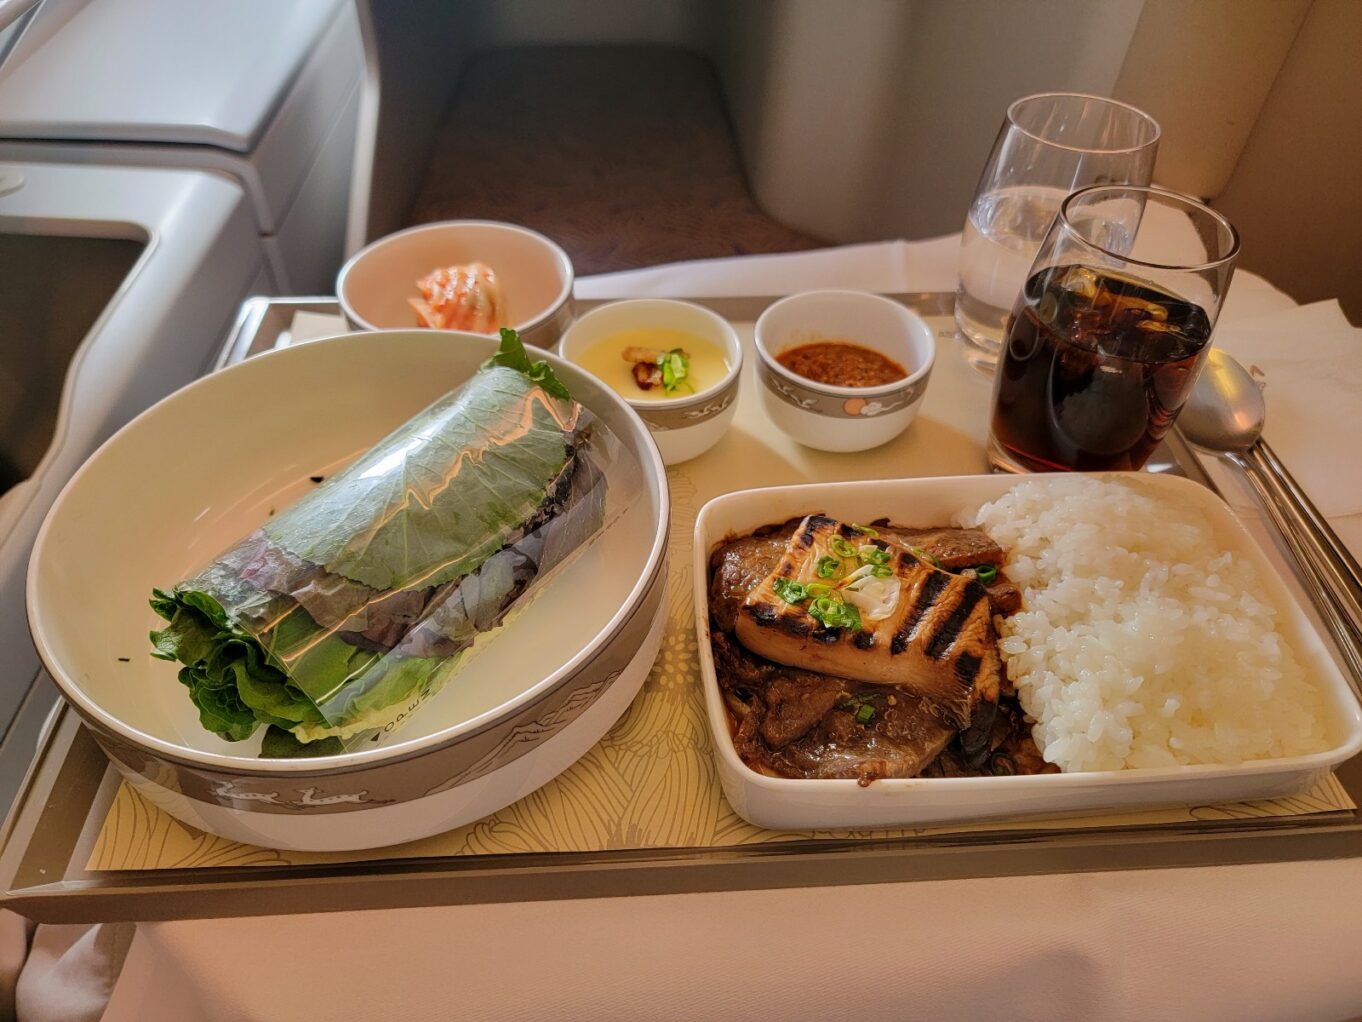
x,y
1139,643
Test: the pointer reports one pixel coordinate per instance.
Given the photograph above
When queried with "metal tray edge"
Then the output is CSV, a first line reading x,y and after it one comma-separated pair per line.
x,y
79,895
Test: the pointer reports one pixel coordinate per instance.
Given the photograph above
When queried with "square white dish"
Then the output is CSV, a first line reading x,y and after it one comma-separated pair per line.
x,y
804,804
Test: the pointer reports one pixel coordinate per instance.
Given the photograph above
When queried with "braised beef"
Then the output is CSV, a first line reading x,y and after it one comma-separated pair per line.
x,y
794,723
737,568
1010,750
1004,597
899,741
953,548
795,702
735,665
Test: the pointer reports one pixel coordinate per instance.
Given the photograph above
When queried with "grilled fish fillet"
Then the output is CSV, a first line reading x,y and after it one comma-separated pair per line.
x,y
933,636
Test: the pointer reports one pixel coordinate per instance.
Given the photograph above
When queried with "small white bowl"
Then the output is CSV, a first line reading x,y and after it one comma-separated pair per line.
x,y
536,275
682,427
843,418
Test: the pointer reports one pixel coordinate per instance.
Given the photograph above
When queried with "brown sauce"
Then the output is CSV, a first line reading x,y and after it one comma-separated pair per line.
x,y
793,723
841,364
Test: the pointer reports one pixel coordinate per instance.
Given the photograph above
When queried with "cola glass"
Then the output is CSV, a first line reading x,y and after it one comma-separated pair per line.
x,y
1110,330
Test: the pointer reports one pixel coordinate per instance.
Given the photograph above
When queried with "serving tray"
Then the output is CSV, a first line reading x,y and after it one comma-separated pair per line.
x,y
78,846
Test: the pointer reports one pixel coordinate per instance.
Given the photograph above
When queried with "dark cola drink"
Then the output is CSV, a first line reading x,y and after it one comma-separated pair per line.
x,y
1094,369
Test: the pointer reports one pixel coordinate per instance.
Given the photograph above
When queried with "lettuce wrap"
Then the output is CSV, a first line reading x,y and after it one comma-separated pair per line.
x,y
351,607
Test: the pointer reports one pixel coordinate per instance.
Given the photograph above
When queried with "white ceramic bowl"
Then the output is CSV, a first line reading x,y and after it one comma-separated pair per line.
x,y
802,804
204,467
843,418
536,275
684,427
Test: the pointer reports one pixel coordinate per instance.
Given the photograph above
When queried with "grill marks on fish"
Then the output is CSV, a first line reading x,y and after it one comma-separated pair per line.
x,y
790,722
951,624
744,562
967,668
807,534
944,638
766,613
961,548
921,599
938,617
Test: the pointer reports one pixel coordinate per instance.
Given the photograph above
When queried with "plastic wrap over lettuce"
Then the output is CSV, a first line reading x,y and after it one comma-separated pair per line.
x,y
350,608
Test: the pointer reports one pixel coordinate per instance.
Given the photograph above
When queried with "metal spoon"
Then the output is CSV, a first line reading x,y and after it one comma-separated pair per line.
x,y
1225,415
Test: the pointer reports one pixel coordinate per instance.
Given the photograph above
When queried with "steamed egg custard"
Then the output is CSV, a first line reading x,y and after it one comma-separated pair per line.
x,y
648,364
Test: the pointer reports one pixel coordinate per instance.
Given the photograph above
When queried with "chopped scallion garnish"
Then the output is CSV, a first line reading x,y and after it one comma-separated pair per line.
x,y
841,547
828,567
922,555
790,591
834,613
675,366
871,554
986,573
865,714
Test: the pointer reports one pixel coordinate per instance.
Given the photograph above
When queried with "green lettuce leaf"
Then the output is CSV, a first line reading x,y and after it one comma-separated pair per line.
x,y
513,355
441,494
280,744
400,687
227,672
482,473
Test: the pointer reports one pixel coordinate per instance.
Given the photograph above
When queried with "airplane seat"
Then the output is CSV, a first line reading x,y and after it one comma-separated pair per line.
x,y
624,155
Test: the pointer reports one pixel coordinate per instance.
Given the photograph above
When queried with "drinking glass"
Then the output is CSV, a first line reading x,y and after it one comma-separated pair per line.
x,y
1110,330
1049,145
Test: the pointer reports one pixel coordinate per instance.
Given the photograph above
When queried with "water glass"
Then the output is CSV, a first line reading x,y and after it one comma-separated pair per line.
x,y
1110,330
1049,145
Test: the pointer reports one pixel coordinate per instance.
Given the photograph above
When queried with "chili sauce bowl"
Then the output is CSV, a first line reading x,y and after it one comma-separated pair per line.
x,y
842,419
689,424
535,273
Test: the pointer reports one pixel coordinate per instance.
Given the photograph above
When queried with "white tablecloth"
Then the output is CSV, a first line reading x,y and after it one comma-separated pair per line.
x,y
1241,943
1246,942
